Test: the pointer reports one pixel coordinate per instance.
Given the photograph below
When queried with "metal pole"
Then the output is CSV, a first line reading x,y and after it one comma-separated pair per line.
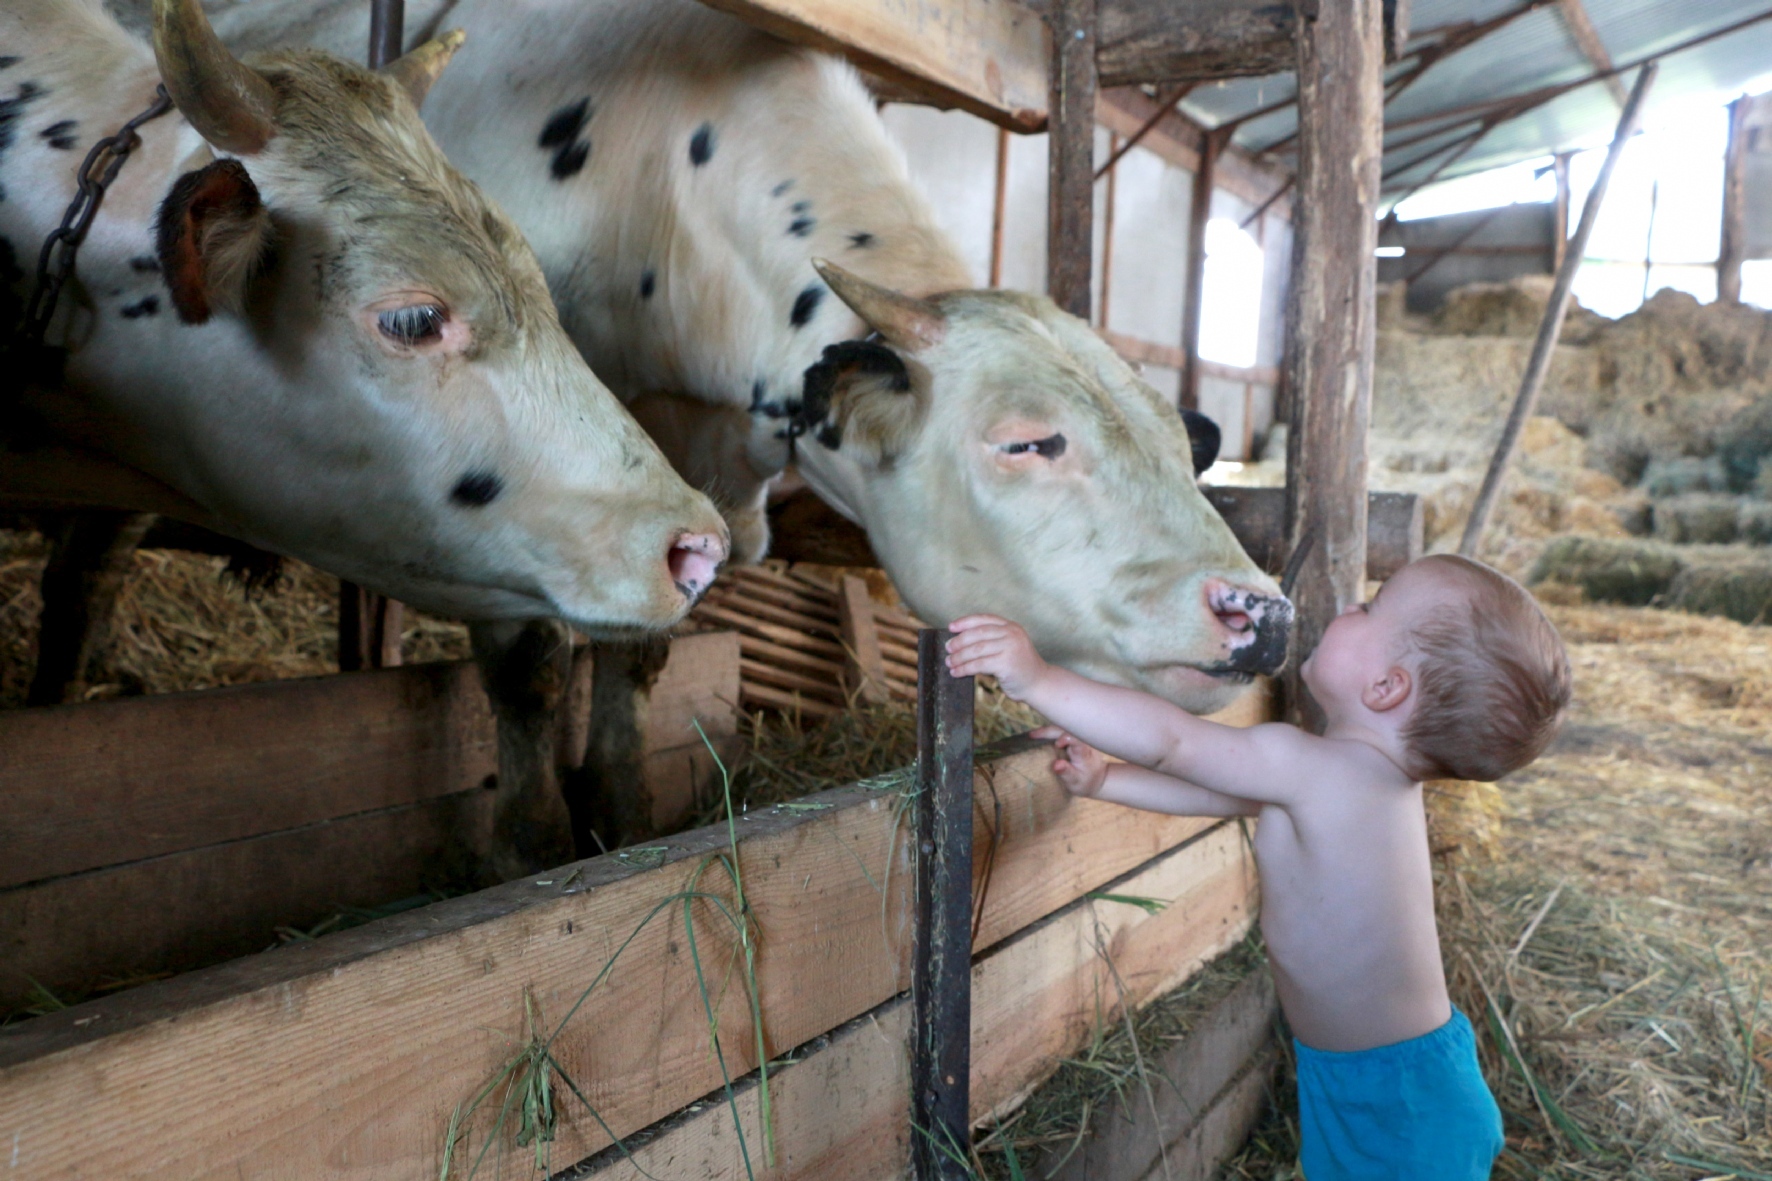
x,y
941,981
387,31
1552,325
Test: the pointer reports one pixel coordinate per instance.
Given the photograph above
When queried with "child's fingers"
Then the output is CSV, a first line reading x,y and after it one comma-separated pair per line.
x,y
1050,732
967,622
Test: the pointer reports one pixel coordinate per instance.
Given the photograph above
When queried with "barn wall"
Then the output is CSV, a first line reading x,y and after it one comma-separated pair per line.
x,y
953,156
1502,244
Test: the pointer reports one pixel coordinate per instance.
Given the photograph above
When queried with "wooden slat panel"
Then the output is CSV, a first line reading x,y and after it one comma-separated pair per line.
x,y
1255,515
115,781
346,1056
984,56
842,1113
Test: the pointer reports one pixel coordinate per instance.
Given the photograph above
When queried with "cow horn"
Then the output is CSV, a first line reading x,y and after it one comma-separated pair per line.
x,y
907,323
230,104
415,71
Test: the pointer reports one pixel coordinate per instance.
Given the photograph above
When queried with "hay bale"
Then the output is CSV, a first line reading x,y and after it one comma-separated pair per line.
x,y
1754,525
1680,474
1513,308
1739,591
1702,518
1743,444
1609,570
1463,819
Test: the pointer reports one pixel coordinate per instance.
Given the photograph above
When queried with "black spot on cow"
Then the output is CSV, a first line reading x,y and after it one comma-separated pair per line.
x,y
802,226
477,489
648,281
781,188
8,60
12,110
759,404
800,207
806,306
701,145
147,305
560,134
60,135
860,240
145,264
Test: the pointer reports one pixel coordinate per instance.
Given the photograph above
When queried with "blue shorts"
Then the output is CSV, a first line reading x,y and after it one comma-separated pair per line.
x,y
1413,1111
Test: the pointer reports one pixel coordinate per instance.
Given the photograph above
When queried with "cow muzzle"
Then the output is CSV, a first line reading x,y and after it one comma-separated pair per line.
x,y
1259,626
694,560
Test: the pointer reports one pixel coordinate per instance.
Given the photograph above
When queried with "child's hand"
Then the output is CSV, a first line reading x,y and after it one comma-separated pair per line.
x,y
987,644
1079,766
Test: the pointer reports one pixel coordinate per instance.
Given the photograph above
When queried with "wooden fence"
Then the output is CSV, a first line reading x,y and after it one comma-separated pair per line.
x,y
345,1057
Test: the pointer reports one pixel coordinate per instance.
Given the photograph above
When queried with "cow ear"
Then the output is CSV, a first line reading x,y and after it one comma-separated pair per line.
x,y
212,234
1204,437
860,397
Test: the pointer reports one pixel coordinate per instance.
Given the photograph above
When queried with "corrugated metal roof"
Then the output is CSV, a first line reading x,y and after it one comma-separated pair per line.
x,y
1528,52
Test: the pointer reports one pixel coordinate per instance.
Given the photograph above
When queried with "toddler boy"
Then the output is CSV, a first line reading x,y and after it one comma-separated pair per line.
x,y
1451,671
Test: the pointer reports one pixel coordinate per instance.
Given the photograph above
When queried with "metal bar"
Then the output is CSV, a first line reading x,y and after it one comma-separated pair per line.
x,y
999,205
387,31
941,981
1552,325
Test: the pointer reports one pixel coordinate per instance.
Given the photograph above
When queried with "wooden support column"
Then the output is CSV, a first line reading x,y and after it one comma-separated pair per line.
x,y
1732,249
941,981
1070,146
999,205
1199,213
1331,315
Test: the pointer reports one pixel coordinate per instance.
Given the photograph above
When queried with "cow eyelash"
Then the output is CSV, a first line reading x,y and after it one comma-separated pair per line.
x,y
1047,448
413,324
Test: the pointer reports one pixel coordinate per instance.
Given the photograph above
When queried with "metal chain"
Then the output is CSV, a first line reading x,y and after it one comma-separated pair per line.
x,y
56,261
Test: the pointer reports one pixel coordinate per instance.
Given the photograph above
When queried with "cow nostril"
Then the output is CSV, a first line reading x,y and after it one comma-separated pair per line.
x,y
1237,621
694,560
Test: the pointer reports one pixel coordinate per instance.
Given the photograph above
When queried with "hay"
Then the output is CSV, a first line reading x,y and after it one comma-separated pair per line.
x,y
1740,592
180,624
1703,518
1679,474
1609,570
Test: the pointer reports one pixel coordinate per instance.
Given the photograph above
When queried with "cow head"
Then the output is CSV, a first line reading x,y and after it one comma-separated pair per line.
x,y
405,409
1003,458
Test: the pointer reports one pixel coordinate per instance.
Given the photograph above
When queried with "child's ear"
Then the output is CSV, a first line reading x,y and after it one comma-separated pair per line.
x,y
1388,691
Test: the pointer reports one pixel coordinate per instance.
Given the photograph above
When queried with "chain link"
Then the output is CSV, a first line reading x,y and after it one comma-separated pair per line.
x,y
56,261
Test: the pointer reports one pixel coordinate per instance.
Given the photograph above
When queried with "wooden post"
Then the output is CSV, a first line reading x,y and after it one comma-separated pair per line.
x,y
941,980
864,663
999,202
1560,216
1107,240
1732,249
1070,144
1199,213
1331,315
1552,324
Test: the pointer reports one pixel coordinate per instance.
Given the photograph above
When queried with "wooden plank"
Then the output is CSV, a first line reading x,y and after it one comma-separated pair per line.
x,y
112,782
1732,247
842,1109
115,781
1256,516
184,910
759,696
941,966
1070,155
988,57
1146,352
1143,41
1187,1078
776,654
865,664
1331,315
1194,285
346,1056
814,687
787,637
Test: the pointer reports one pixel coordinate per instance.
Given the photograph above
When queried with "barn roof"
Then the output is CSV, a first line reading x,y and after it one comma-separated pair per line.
x,y
1521,64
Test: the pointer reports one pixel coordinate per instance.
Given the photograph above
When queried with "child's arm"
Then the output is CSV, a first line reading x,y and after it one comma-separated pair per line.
x,y
1084,772
1260,763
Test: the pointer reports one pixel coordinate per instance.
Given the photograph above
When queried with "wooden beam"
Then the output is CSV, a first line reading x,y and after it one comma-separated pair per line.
x,y
1257,517
1146,352
1587,39
1538,365
1145,41
1194,280
864,663
988,57
1732,248
347,1055
1331,314
1070,149
941,971
841,1108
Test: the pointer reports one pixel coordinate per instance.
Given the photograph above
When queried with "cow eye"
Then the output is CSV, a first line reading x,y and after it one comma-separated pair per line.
x,y
411,325
1048,448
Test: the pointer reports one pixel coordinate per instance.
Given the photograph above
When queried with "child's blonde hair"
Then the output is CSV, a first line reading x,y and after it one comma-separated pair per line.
x,y
1492,682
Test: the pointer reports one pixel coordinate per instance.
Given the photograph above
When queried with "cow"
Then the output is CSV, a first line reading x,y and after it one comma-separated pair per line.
x,y
293,321
736,247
